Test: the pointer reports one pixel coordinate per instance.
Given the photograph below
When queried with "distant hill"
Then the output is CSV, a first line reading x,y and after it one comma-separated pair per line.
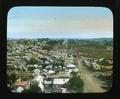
x,y
101,39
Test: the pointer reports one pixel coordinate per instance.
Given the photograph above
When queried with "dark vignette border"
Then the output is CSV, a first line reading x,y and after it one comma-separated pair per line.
x,y
6,5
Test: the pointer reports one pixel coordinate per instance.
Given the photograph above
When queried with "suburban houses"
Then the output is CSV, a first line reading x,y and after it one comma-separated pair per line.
x,y
48,66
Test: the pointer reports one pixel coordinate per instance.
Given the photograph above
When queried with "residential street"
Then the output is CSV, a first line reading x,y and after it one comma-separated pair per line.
x,y
91,84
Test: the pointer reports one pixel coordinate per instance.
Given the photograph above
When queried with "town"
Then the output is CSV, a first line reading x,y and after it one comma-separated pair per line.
x,y
59,65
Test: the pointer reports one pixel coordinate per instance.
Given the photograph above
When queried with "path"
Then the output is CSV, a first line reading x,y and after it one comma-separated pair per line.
x,y
91,83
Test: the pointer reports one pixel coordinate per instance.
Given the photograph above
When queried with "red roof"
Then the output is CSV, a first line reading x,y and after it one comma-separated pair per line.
x,y
22,83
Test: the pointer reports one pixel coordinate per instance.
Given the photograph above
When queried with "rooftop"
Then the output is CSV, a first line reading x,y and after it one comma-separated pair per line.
x,y
60,80
70,65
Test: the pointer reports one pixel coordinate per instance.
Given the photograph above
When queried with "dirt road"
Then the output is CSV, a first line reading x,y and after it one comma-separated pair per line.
x,y
91,84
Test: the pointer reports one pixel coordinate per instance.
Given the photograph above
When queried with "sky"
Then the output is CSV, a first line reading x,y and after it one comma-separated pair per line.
x,y
59,22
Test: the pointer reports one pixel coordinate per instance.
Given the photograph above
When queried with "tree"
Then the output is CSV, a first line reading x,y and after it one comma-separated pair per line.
x,y
74,74
11,78
104,62
31,68
32,61
62,61
76,84
33,89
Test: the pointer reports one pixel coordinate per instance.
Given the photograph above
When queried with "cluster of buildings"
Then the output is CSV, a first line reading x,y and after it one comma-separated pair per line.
x,y
49,69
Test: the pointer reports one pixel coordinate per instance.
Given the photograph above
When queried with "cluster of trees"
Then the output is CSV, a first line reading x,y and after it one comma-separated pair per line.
x,y
32,61
97,43
104,62
90,43
75,84
51,44
34,88
11,78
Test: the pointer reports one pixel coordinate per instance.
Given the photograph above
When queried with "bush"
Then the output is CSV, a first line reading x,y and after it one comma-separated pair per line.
x,y
74,73
77,84
104,62
33,89
11,78
32,61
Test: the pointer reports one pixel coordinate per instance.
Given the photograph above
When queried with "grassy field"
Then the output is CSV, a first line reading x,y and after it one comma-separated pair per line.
x,y
97,53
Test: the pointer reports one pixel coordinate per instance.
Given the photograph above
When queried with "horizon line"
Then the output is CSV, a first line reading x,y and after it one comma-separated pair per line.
x,y
64,38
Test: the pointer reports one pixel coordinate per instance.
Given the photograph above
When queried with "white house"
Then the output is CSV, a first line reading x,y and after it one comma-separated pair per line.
x,y
87,63
70,67
49,67
60,81
64,90
39,79
35,65
41,86
19,89
50,72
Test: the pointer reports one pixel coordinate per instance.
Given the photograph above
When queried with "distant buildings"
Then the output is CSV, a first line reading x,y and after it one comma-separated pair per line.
x,y
50,69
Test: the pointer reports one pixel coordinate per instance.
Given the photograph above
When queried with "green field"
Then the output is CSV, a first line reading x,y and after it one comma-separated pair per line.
x,y
97,53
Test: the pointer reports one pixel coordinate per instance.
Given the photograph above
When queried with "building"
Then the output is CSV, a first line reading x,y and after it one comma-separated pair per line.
x,y
96,66
21,83
19,89
58,82
70,67
39,80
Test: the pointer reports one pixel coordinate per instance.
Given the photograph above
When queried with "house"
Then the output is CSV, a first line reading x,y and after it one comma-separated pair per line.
x,y
58,82
107,67
101,59
48,85
96,66
44,72
49,67
35,65
76,70
70,67
110,61
69,59
47,82
23,84
109,48
64,90
51,72
56,90
87,63
41,86
19,89
39,80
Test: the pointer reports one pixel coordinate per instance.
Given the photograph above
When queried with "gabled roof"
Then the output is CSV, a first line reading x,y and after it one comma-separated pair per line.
x,y
70,65
60,80
21,83
19,89
47,82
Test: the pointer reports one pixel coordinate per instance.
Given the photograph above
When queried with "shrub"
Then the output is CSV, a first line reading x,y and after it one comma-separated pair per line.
x,y
77,84
33,89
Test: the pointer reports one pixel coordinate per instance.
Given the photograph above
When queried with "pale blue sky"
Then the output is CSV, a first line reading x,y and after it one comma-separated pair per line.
x,y
59,22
